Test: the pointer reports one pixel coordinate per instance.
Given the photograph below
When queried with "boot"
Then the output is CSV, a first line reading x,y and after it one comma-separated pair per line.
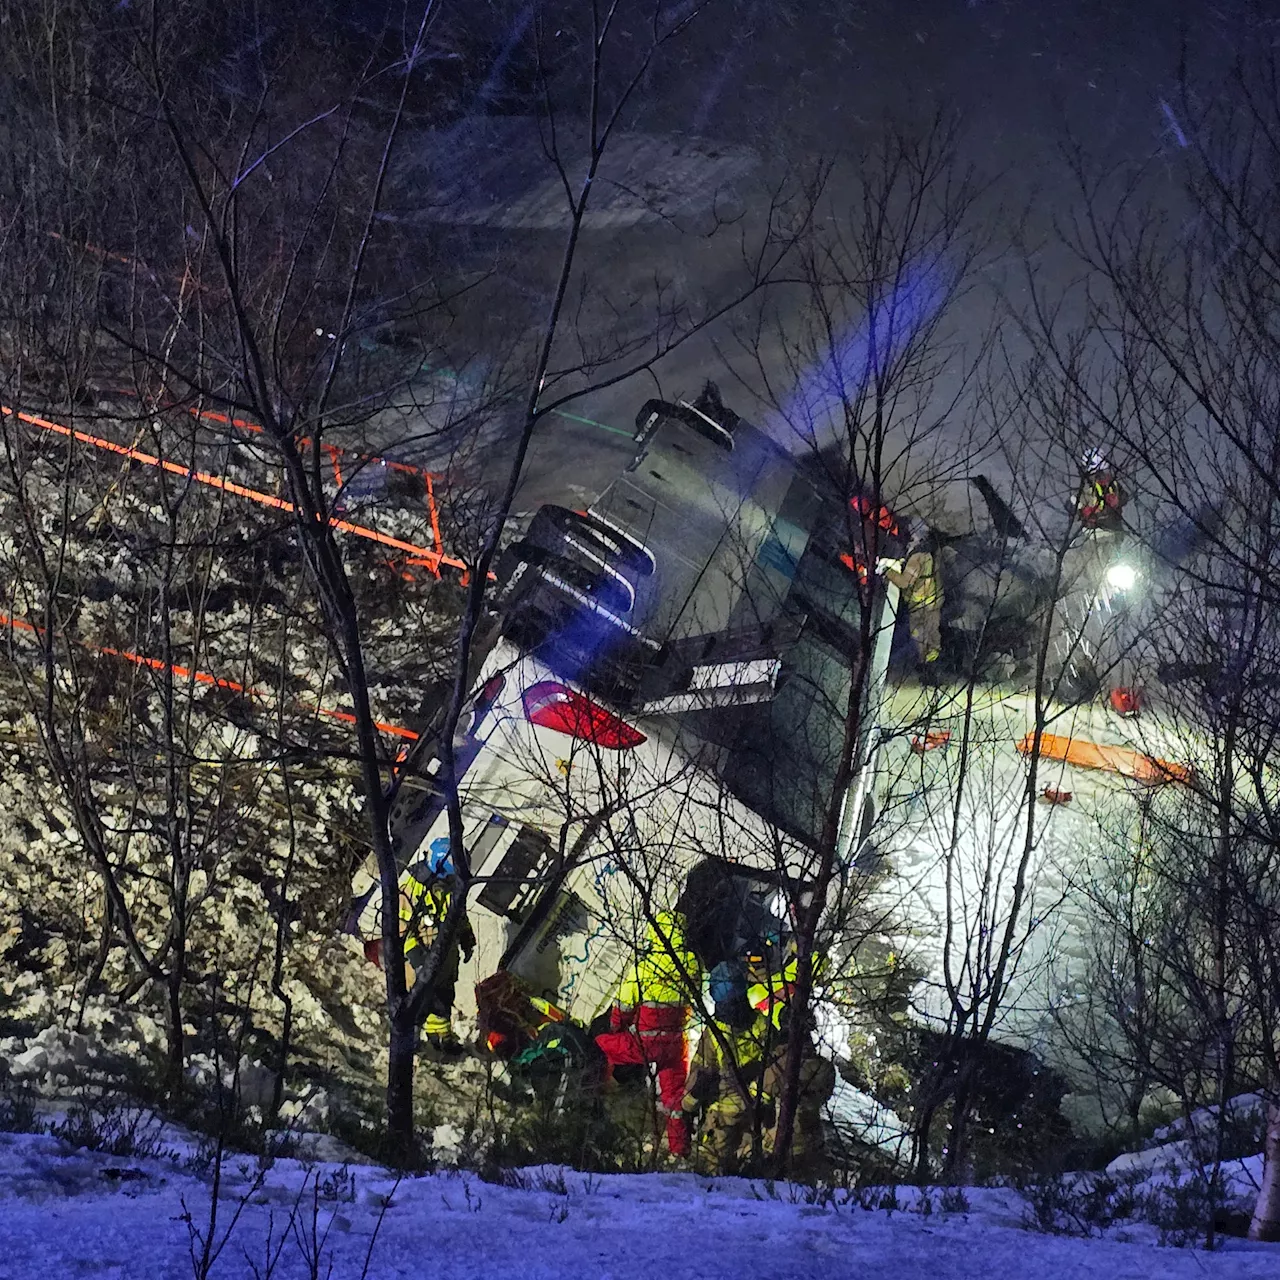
x,y
438,1043
441,1046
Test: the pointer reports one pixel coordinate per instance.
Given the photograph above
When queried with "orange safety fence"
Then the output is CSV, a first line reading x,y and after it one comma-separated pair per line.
x,y
10,622
1125,761
432,560
335,454
428,556
183,279
334,451
243,423
98,251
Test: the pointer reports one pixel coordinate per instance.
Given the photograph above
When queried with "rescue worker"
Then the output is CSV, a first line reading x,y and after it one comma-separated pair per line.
x,y
817,1084
1100,507
510,1016
770,995
1101,502
771,985
920,581
650,1014
725,1083
710,405
426,890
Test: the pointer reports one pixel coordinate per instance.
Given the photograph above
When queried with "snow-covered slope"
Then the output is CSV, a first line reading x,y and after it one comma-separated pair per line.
x,y
73,1213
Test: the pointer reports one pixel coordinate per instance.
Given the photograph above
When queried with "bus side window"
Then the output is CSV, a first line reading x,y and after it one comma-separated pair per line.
x,y
514,883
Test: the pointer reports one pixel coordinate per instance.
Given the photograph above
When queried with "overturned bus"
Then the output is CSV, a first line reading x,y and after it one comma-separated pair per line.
x,y
661,689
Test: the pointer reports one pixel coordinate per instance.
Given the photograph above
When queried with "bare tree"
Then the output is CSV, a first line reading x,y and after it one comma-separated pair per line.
x,y
1007,847
868,382
1180,260
143,636
269,225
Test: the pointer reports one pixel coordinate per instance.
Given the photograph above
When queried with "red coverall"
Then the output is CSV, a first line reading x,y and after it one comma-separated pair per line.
x,y
648,1019
654,1033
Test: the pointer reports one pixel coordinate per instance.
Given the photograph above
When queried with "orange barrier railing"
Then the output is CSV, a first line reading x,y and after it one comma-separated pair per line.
x,y
1092,755
99,252
428,556
334,451
335,454
11,622
420,557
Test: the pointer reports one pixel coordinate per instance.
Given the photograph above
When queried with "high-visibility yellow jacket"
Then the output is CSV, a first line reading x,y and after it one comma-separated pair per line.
x,y
664,970
422,908
918,580
770,993
722,1065
1101,503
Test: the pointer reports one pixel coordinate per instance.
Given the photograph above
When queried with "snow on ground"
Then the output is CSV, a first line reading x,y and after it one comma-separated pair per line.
x,y
66,1212
972,884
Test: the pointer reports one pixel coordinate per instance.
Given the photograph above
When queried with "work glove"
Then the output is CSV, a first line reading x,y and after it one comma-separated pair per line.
x,y
468,948
887,562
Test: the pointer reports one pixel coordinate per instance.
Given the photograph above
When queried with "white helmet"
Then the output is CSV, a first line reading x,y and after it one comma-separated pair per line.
x,y
1094,460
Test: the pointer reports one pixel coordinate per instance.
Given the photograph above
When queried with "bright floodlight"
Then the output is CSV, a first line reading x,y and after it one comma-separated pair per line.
x,y
1122,576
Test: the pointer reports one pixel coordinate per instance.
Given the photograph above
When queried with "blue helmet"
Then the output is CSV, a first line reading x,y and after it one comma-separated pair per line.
x,y
440,856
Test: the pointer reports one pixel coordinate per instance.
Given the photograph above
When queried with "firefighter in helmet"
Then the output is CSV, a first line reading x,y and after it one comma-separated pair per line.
x,y
920,580
771,996
1101,502
426,893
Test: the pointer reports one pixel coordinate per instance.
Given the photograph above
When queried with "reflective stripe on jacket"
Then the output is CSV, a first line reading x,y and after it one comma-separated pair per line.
x,y
1099,499
923,591
918,580
770,994
725,1065
423,905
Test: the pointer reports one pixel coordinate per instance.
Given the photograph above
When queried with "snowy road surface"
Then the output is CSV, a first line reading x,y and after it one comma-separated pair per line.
x,y
66,1213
